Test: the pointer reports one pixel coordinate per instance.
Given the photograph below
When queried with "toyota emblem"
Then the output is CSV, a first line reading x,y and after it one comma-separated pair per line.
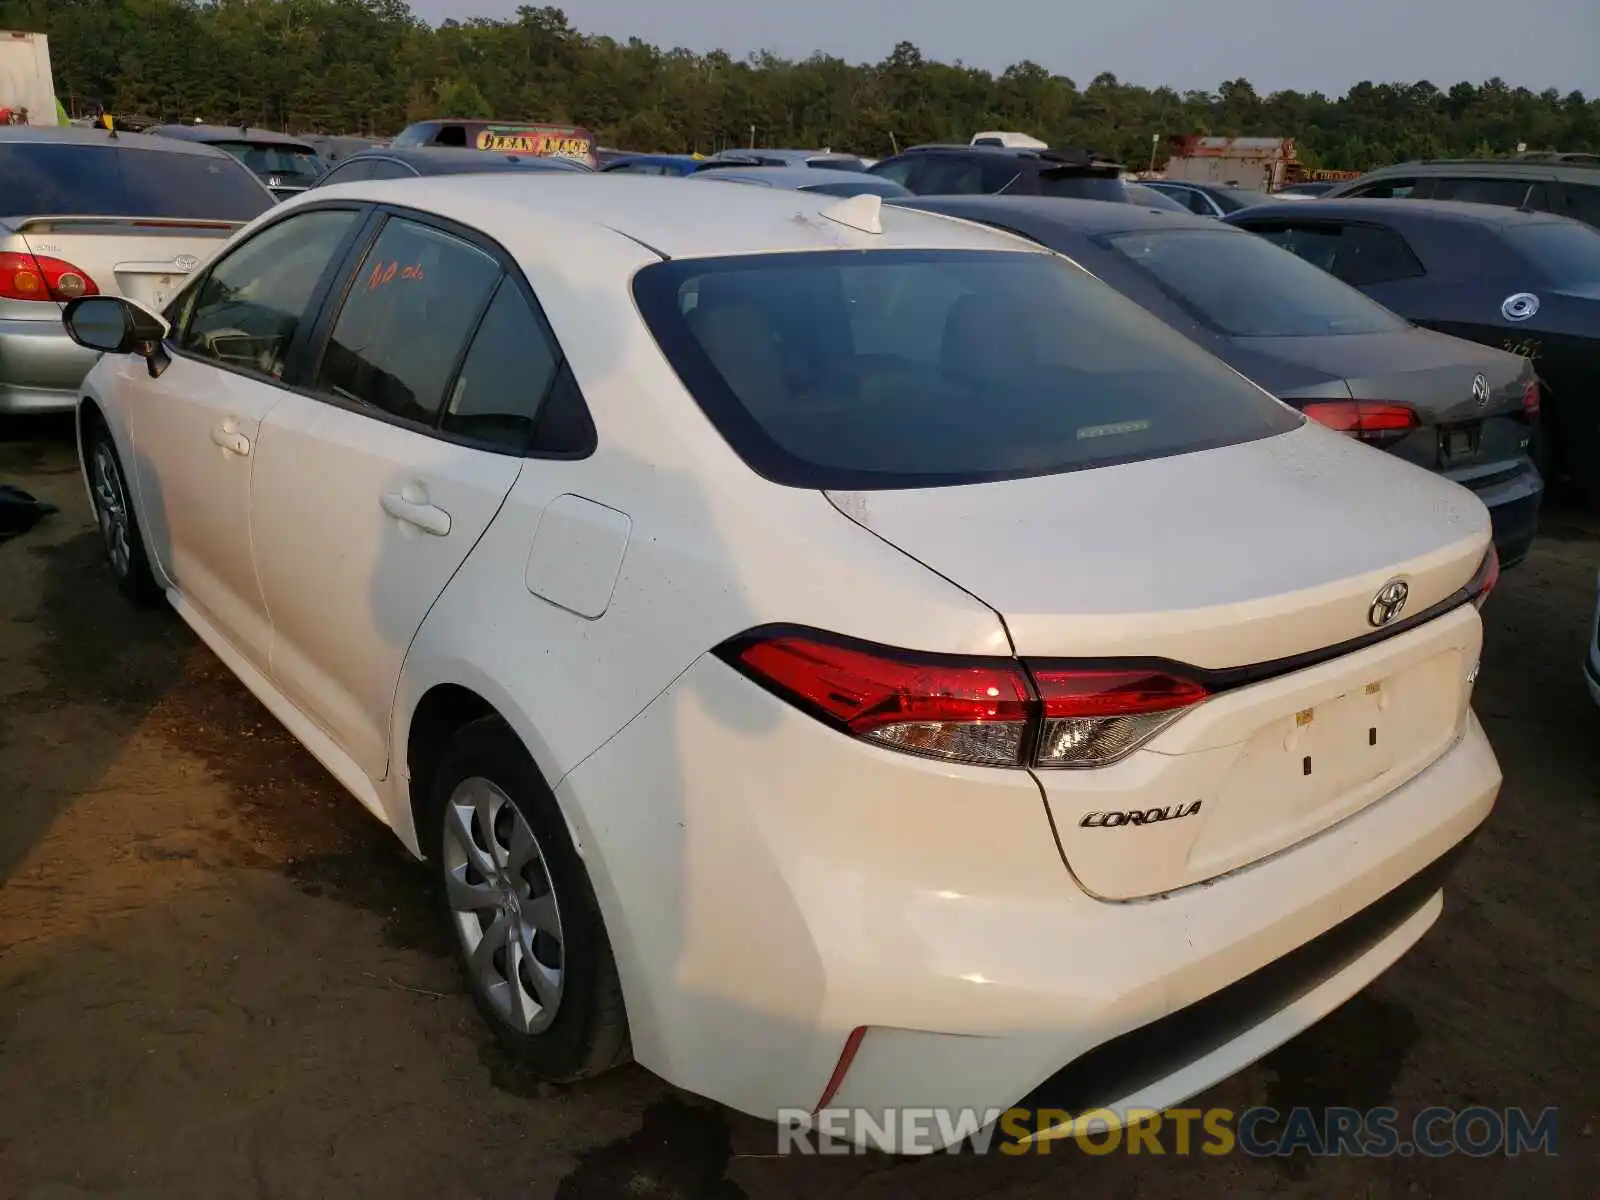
x,y
186,263
1388,603
1480,390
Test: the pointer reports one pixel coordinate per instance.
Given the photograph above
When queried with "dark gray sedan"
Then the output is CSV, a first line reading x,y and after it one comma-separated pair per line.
x,y
1453,406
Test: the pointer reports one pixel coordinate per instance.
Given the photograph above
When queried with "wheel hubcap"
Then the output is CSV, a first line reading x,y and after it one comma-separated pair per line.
x,y
503,905
111,509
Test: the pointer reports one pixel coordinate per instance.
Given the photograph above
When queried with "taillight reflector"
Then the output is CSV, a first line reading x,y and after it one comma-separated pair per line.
x,y
1366,420
987,711
40,277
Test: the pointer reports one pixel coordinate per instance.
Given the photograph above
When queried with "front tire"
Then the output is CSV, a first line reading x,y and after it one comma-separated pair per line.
x,y
523,918
113,511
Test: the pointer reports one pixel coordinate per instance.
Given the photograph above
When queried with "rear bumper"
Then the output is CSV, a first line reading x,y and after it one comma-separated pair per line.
x,y
1513,505
770,886
40,367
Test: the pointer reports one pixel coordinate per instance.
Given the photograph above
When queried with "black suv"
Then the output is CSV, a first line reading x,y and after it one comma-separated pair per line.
x,y
989,170
1567,184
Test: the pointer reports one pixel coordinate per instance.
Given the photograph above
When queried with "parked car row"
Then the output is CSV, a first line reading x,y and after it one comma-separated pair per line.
x,y
774,615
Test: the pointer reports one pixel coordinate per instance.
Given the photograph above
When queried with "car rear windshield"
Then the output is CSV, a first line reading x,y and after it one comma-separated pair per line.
x,y
1076,185
1247,287
1565,252
58,179
296,164
910,368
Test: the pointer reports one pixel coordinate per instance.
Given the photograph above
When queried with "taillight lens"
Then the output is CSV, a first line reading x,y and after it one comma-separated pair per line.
x,y
969,710
1487,576
1369,421
987,711
40,277
1530,400
1095,717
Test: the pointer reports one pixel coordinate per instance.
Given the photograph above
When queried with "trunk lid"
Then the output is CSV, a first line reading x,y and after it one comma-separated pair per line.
x,y
1219,560
145,259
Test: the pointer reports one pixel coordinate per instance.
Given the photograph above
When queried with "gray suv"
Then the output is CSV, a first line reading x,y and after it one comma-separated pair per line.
x,y
1567,184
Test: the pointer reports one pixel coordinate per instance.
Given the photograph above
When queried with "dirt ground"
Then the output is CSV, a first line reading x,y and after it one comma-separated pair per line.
x,y
219,977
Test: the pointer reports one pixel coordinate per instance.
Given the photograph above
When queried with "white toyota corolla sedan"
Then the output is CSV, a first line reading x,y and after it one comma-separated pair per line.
x,y
841,656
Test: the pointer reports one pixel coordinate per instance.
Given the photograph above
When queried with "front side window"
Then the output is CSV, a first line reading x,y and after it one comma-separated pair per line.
x,y
407,314
903,368
252,302
1246,287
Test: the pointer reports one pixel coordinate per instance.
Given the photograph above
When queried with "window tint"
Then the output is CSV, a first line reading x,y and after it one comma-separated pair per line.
x,y
1075,185
1395,189
1507,193
896,171
1565,253
1248,288
941,176
47,178
413,301
251,303
505,376
1358,254
902,368
837,164
350,172
388,168
1581,203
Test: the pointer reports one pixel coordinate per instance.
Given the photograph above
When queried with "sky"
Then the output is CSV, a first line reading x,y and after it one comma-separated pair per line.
x,y
1309,45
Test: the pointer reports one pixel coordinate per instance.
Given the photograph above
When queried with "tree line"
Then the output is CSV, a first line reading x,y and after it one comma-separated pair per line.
x,y
371,66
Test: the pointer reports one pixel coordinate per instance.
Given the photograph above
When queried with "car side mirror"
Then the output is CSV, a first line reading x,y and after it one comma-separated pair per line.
x,y
115,325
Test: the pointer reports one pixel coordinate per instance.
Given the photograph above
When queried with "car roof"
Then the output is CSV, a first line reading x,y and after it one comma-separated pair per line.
x,y
1457,212
227,133
74,135
628,157
457,160
1573,167
1047,159
781,177
667,216
1091,218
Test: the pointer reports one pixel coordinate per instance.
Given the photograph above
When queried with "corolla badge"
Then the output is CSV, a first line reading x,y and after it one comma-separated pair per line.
x,y
1389,602
1519,307
1480,390
186,263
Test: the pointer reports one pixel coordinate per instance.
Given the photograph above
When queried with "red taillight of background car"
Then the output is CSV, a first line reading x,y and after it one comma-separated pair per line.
x,y
40,277
1530,400
1370,421
986,711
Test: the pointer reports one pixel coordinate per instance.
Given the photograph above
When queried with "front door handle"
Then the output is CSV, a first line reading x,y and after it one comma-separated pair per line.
x,y
231,440
429,518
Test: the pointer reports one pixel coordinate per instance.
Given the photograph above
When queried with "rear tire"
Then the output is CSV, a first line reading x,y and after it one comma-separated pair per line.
x,y
114,514
520,910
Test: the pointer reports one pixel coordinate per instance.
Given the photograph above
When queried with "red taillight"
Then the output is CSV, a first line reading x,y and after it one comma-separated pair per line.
x,y
977,710
40,277
973,710
1488,575
1092,717
1367,420
1530,400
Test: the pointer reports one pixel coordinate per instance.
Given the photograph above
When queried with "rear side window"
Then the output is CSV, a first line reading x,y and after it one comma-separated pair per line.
x,y
1565,253
350,172
1507,193
903,368
1246,287
252,302
1360,255
44,179
410,308
498,395
1395,189
388,168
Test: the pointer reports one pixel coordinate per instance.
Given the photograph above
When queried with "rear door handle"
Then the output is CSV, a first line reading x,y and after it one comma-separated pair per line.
x,y
231,440
427,517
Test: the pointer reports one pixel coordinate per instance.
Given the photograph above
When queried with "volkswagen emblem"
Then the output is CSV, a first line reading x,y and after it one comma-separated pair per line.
x,y
1519,307
1480,390
1388,603
188,262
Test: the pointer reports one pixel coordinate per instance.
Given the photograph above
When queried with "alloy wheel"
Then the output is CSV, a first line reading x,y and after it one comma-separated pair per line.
x,y
111,509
